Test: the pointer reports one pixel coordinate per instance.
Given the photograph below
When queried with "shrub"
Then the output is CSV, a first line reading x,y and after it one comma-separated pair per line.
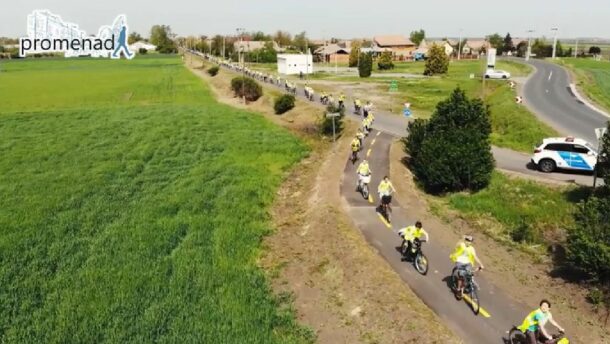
x,y
589,241
283,103
142,51
246,87
525,232
354,53
213,70
365,66
326,123
595,50
385,61
452,151
437,61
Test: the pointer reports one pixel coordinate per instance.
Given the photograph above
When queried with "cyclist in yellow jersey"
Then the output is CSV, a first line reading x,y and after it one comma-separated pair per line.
x,y
410,233
464,258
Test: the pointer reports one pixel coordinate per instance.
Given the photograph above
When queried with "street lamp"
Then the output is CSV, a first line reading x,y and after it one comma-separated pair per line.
x,y
529,45
554,40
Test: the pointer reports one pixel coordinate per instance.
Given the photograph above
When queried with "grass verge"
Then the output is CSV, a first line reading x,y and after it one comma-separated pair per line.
x,y
593,77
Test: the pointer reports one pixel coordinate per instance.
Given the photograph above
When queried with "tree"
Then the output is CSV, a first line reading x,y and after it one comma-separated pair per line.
x,y
521,49
385,61
282,38
202,44
437,61
134,37
417,36
300,42
595,50
507,45
353,54
604,157
161,36
497,42
452,150
365,66
541,48
259,36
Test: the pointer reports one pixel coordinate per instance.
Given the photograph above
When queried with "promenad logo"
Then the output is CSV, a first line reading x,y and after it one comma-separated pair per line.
x,y
48,33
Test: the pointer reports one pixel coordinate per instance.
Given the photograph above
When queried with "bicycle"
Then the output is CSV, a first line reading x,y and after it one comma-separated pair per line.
x,y
363,185
470,287
420,261
384,208
516,336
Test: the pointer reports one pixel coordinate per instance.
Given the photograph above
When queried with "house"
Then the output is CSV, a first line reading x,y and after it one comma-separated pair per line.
x,y
424,46
250,46
475,47
294,64
401,47
142,45
333,53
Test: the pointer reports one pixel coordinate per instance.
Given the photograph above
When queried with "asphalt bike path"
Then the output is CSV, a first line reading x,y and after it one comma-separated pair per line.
x,y
498,312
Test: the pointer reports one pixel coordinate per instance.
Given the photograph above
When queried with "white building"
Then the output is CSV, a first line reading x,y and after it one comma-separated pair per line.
x,y
294,64
139,44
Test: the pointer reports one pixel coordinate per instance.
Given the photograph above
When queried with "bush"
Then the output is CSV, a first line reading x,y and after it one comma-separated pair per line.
x,y
452,151
246,86
589,241
365,66
353,55
595,50
385,61
213,70
437,61
326,123
283,103
142,51
525,233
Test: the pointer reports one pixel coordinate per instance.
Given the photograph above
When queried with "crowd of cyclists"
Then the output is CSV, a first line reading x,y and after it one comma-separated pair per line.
x,y
464,256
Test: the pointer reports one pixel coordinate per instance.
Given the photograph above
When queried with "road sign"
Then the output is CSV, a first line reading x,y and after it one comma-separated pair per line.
x,y
393,86
599,132
329,115
491,58
333,115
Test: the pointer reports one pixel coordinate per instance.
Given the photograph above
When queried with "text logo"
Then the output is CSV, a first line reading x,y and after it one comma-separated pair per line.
x,y
48,33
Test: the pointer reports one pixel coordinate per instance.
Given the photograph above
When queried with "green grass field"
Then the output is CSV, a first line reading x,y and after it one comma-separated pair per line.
x,y
509,202
133,206
593,77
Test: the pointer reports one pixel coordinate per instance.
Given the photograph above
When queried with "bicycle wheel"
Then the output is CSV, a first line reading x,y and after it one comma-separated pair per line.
x,y
474,300
515,336
421,263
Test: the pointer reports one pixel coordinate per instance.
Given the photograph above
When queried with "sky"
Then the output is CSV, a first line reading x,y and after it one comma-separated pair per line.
x,y
325,18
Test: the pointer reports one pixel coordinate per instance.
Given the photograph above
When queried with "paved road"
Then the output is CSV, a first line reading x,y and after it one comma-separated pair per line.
x,y
500,312
548,93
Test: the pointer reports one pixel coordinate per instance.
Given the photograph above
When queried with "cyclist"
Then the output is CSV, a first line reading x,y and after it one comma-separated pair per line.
x,y
341,100
365,126
355,148
533,324
357,106
410,233
464,258
367,108
363,170
385,190
360,135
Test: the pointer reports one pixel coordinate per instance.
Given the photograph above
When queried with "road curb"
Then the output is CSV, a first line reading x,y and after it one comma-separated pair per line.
x,y
585,101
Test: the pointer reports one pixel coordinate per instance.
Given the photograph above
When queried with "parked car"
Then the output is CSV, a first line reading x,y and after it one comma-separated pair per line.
x,y
496,74
565,153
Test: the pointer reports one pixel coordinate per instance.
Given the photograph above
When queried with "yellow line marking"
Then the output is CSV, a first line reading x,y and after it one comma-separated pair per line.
x,y
482,311
368,153
373,142
370,198
378,133
384,221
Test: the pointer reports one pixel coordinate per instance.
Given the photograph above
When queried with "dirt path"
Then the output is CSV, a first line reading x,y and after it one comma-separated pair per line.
x,y
341,288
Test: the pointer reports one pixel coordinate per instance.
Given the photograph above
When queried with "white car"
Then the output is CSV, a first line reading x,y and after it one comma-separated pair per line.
x,y
565,153
496,74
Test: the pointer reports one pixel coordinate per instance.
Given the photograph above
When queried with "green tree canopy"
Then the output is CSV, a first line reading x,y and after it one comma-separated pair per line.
x,y
417,36
437,61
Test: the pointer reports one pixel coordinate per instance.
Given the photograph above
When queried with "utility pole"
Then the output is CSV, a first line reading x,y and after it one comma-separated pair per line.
x,y
529,45
460,46
576,49
223,47
554,41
